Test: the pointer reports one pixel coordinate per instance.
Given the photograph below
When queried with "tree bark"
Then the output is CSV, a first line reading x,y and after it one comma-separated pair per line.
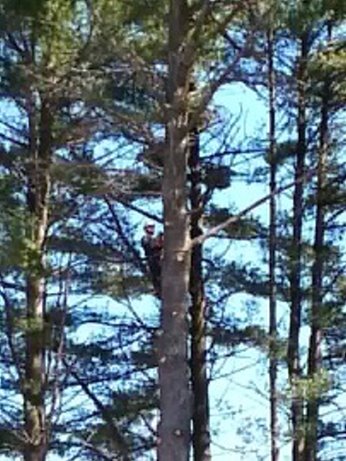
x,y
174,382
199,378
297,416
273,360
35,448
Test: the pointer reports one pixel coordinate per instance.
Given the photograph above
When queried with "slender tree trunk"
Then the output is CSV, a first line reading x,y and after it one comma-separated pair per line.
x,y
273,360
297,416
37,201
314,358
174,382
199,378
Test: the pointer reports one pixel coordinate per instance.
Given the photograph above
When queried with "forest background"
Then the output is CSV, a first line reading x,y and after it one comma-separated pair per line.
x,y
223,122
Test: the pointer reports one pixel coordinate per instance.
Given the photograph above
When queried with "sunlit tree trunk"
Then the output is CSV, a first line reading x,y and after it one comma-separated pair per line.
x,y
174,381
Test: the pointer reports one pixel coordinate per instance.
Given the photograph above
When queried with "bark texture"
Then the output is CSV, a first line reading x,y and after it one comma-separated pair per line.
x,y
174,382
273,360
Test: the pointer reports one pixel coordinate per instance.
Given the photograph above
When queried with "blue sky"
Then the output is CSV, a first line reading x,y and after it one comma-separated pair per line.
x,y
239,403
236,392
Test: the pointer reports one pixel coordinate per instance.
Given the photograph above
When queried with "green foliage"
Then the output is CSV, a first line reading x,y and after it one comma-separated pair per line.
x,y
9,444
329,66
311,388
56,26
284,152
253,335
101,65
244,228
18,250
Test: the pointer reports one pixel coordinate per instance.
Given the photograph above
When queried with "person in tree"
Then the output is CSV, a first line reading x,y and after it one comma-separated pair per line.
x,y
153,247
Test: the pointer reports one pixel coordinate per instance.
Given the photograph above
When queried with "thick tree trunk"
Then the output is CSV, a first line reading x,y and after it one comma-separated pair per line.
x,y
174,382
199,378
37,201
315,355
273,359
297,416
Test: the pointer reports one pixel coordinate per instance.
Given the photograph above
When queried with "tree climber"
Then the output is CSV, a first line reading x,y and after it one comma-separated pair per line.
x,y
153,251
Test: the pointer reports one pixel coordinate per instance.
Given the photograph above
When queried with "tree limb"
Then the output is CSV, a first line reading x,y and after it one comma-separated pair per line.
x,y
233,219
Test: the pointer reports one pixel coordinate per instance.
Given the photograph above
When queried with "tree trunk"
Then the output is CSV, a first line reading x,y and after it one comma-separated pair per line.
x,y
273,360
297,416
314,358
35,448
199,378
174,382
